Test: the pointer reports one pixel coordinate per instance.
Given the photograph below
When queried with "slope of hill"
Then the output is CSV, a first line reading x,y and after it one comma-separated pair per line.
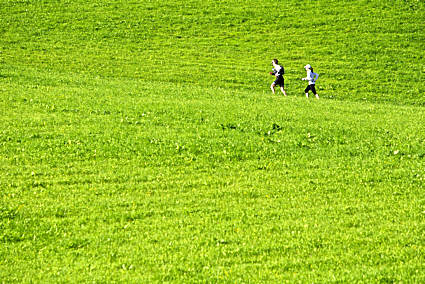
x,y
369,50
139,142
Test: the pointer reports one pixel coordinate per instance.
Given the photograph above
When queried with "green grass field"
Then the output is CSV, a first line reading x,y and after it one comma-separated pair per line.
x,y
140,142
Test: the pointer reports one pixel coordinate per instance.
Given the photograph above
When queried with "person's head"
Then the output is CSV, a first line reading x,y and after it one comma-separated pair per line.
x,y
307,67
274,61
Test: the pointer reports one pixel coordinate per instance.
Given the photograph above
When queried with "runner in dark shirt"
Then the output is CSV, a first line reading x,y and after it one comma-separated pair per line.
x,y
278,72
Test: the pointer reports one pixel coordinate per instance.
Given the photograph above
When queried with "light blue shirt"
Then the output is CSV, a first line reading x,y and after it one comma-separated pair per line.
x,y
311,77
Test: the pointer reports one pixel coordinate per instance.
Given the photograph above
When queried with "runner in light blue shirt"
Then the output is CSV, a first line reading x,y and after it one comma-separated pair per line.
x,y
311,78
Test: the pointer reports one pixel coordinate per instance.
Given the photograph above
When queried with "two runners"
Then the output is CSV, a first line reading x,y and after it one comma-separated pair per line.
x,y
278,72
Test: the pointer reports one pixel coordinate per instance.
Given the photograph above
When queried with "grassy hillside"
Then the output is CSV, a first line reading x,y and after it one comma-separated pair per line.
x,y
369,50
139,142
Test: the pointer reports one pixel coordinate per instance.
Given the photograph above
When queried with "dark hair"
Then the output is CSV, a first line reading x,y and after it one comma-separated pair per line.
x,y
275,61
311,69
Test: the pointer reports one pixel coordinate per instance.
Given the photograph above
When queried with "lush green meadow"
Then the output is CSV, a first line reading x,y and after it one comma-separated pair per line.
x,y
139,142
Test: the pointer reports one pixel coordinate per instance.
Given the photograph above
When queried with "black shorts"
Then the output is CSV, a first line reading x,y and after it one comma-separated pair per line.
x,y
310,87
279,81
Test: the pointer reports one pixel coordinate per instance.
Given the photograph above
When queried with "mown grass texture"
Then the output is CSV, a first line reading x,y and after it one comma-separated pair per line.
x,y
363,49
140,142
